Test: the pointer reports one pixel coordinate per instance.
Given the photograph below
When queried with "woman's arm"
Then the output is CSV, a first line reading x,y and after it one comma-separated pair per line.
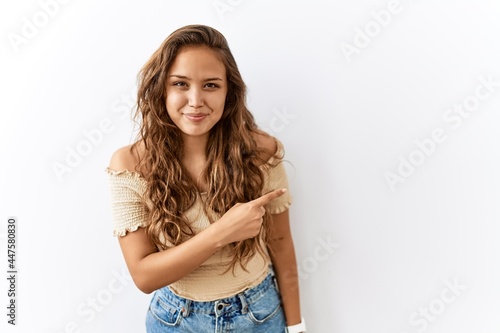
x,y
285,265
152,270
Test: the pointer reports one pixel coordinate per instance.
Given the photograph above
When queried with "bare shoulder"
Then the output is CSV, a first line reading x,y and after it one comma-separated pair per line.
x,y
266,144
126,158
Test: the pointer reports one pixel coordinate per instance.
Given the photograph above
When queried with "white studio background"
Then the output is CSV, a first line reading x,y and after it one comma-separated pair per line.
x,y
389,113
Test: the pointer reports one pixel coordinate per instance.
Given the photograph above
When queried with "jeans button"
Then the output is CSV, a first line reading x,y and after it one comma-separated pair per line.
x,y
220,306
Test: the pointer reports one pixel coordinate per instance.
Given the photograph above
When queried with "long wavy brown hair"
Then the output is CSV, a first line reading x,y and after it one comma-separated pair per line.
x,y
234,171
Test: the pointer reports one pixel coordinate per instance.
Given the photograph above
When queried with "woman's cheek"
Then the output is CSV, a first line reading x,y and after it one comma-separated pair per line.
x,y
175,100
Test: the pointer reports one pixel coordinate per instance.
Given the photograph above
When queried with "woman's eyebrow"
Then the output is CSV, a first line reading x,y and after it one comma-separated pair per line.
x,y
179,76
188,78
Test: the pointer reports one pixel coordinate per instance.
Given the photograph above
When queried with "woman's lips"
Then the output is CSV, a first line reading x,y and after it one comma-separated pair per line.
x,y
196,117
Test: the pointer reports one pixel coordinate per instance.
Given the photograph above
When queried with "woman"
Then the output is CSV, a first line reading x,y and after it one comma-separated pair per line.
x,y
199,200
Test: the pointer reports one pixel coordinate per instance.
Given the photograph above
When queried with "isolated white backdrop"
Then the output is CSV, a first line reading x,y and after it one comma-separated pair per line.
x,y
348,86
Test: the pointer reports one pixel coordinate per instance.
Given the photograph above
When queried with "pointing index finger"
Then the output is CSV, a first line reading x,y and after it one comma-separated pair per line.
x,y
268,197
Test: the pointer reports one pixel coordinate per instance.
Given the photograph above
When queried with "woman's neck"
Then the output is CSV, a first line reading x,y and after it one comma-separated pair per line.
x,y
194,159
195,147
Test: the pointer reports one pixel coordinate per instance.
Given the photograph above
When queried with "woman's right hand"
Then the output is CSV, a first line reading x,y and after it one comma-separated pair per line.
x,y
244,220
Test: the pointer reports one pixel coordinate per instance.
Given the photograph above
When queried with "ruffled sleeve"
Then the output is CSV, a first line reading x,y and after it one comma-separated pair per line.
x,y
276,178
126,195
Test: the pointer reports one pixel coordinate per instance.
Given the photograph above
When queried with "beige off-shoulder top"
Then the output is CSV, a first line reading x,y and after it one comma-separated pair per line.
x,y
209,281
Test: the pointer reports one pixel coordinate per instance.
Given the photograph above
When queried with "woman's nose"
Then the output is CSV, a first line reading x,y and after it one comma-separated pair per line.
x,y
195,98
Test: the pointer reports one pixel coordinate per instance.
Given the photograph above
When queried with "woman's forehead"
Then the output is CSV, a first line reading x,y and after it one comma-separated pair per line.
x,y
196,62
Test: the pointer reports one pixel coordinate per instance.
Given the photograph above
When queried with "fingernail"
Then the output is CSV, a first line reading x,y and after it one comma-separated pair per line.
x,y
283,190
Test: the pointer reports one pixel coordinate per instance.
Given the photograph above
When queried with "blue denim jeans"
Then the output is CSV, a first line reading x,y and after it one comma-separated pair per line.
x,y
255,310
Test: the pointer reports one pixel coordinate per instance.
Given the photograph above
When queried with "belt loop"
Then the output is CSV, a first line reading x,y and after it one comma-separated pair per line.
x,y
186,309
244,305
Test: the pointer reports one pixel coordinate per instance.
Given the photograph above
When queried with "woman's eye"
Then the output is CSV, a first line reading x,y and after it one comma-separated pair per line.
x,y
211,85
180,84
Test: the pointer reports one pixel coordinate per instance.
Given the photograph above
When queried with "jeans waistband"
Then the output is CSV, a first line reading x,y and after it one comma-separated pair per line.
x,y
238,302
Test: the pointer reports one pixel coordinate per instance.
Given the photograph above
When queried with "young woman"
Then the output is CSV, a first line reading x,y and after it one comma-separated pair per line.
x,y
200,201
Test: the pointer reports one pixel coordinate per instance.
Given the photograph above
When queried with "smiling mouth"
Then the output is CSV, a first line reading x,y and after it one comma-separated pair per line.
x,y
195,116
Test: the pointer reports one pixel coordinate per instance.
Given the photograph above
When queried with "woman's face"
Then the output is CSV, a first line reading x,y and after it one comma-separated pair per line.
x,y
196,90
